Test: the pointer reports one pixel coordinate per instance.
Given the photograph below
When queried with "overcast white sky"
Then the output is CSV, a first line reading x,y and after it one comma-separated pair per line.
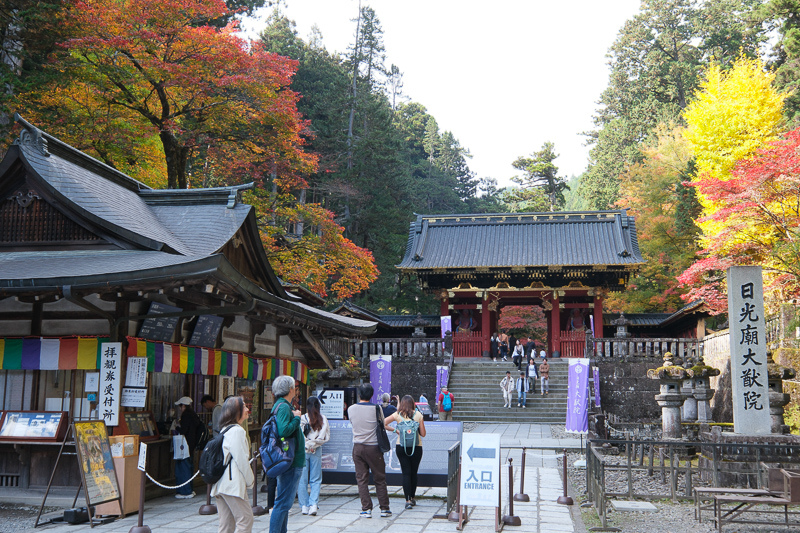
x,y
503,76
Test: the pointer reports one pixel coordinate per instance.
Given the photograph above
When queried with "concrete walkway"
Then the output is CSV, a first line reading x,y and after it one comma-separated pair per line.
x,y
339,504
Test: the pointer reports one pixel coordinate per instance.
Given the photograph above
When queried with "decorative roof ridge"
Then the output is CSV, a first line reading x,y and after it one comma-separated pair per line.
x,y
48,145
609,214
350,306
212,195
696,305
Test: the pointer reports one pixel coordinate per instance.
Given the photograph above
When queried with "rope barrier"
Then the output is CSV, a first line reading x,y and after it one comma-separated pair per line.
x,y
540,456
176,486
188,481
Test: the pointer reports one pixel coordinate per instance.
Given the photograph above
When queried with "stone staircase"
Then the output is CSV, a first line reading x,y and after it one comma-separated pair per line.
x,y
475,384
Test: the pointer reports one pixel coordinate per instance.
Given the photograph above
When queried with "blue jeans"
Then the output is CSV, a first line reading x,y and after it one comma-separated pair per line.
x,y
284,499
312,475
522,397
183,471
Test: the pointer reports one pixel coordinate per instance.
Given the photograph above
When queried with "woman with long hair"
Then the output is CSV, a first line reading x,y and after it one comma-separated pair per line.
x,y
235,513
407,418
317,431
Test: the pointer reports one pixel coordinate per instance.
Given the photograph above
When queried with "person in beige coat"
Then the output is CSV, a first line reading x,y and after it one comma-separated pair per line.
x,y
507,386
235,512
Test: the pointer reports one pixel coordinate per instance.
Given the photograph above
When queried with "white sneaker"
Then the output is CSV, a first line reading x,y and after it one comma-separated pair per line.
x,y
312,510
304,509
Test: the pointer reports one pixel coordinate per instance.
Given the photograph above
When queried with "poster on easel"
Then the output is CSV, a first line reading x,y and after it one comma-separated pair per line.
x,y
96,462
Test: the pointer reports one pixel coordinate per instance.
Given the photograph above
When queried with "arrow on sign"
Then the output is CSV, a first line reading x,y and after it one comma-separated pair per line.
x,y
322,398
483,453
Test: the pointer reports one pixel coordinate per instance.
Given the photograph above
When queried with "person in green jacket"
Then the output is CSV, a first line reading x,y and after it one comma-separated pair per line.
x,y
288,422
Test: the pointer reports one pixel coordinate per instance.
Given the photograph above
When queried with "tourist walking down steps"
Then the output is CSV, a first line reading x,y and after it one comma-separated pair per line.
x,y
523,385
507,386
544,376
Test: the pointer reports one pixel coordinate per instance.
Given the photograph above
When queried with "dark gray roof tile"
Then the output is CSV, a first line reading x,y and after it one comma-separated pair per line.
x,y
522,239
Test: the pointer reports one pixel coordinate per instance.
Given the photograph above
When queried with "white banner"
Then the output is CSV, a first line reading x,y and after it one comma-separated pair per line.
x,y
110,379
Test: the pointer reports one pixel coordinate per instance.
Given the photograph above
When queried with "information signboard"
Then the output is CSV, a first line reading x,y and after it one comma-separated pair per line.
x,y
337,454
480,469
159,329
332,403
206,331
133,397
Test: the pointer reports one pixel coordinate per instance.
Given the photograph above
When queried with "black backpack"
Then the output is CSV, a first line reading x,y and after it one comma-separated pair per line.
x,y
212,460
203,436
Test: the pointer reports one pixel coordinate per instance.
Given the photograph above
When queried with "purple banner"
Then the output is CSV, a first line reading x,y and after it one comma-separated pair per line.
x,y
441,380
446,323
578,396
596,372
380,375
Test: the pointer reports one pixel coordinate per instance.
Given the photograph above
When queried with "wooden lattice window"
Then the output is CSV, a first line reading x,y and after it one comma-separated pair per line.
x,y
27,219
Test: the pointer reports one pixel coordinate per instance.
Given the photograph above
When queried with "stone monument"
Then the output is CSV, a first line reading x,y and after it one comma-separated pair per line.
x,y
749,385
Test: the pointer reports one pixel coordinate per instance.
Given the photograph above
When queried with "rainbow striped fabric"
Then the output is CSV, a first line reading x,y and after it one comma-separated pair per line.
x,y
180,359
38,353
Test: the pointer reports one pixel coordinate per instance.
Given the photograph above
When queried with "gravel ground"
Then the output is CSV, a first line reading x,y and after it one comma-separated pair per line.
x,y
671,517
19,517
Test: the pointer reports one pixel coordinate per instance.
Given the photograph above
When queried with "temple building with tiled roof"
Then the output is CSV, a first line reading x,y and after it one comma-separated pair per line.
x,y
564,261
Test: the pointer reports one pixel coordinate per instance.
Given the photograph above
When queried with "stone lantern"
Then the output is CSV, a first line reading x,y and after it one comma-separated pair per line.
x,y
419,323
777,398
622,333
670,398
702,391
622,324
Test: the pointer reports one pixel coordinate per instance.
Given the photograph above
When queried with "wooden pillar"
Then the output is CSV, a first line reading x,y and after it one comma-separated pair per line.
x,y
598,317
485,324
555,325
444,308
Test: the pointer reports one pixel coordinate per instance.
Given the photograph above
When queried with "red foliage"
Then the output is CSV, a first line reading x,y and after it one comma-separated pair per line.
x,y
759,217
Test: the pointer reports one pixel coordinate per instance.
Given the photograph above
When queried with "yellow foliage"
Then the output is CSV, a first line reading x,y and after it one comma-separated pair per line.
x,y
732,115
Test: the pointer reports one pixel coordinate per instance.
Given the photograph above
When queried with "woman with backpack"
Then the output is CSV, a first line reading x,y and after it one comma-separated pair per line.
x,y
410,428
230,491
288,426
317,431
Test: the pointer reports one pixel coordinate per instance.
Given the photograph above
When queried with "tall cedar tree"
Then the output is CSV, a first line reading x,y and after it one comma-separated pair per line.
x,y
541,172
655,65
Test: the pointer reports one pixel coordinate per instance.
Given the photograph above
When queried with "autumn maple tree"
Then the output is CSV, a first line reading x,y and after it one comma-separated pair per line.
x,y
144,78
524,320
735,116
654,193
761,214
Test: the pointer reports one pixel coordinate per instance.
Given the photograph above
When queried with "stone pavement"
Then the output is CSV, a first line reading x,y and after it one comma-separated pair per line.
x,y
339,504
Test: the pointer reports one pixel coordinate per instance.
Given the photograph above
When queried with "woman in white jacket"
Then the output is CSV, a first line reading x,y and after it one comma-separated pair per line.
x,y
235,513
318,432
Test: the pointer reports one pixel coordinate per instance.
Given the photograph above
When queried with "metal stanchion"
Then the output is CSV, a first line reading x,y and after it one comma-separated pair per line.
x,y
141,528
565,500
510,519
257,509
455,514
209,508
521,496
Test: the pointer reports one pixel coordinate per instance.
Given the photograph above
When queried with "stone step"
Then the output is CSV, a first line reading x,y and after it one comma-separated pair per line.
x,y
509,418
